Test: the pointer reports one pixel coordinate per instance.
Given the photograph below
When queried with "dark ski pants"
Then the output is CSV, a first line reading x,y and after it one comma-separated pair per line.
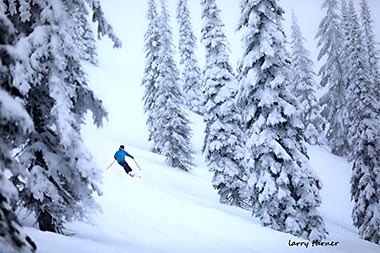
x,y
126,167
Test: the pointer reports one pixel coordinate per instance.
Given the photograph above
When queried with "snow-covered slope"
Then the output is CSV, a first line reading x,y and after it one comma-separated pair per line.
x,y
172,211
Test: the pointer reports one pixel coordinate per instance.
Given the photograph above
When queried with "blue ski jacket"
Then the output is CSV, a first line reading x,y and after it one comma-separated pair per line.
x,y
119,155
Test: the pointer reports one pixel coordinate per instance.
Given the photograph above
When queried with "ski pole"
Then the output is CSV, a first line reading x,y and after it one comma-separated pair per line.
x,y
137,164
111,164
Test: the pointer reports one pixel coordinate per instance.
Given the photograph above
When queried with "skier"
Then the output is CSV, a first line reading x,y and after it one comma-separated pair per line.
x,y
119,156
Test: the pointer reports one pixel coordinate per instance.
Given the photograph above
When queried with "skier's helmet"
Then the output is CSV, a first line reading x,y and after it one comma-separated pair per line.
x,y
121,146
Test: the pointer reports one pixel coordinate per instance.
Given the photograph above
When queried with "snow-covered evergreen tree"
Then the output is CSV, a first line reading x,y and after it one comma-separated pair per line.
x,y
364,136
344,25
304,87
15,125
61,177
224,139
103,27
14,122
285,191
152,47
191,73
83,34
345,60
370,45
172,125
334,100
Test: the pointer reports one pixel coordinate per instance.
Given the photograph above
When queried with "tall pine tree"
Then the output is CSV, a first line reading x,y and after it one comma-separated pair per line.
x,y
223,143
364,136
15,125
370,45
152,48
345,59
61,178
334,100
173,133
304,87
285,191
191,73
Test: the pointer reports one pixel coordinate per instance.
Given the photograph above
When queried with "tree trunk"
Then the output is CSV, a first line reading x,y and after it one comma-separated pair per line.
x,y
46,222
